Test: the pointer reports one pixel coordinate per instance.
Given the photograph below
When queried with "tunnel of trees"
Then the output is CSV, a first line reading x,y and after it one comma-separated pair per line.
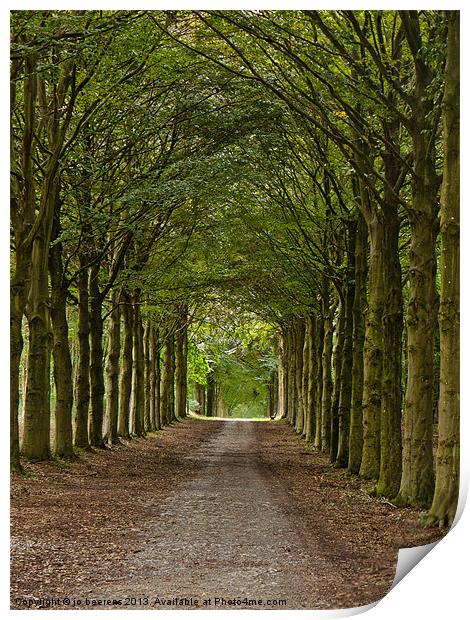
x,y
239,213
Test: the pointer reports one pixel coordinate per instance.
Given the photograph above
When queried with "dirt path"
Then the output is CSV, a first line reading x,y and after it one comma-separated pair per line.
x,y
232,510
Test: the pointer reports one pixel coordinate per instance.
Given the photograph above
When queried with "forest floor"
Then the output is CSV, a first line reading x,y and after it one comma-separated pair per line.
x,y
207,509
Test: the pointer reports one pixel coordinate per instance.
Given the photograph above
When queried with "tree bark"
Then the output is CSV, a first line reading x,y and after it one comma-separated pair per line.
x,y
306,353
310,412
167,381
299,350
344,407
125,379
291,374
61,350
373,354
138,369
282,377
96,358
22,207
16,349
275,379
327,383
200,397
337,363
210,395
417,481
158,380
153,352
83,371
359,304
319,382
390,422
446,491
147,376
112,371
181,366
36,436
171,379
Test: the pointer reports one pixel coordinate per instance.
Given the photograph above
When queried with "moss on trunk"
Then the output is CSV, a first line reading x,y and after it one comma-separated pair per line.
x,y
327,382
63,440
373,355
112,371
138,369
360,278
344,407
82,387
299,336
125,378
96,360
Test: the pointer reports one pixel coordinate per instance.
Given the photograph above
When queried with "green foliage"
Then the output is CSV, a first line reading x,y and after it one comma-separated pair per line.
x,y
197,365
239,349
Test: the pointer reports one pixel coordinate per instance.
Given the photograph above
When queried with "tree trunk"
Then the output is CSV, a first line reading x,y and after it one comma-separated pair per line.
x,y
337,363
185,357
417,481
158,380
167,382
344,407
147,376
359,304
171,380
153,351
373,354
197,405
16,348
446,492
319,383
138,375
275,394
17,307
210,396
327,380
311,363
36,437
61,351
299,349
22,207
181,362
96,357
291,374
282,377
112,371
306,353
125,380
82,394
390,423
201,399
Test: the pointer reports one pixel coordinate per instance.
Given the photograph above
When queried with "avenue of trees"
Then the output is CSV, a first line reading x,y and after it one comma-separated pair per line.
x,y
202,200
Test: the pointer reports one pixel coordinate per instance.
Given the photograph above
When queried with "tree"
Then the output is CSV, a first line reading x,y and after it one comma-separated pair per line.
x,y
446,492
